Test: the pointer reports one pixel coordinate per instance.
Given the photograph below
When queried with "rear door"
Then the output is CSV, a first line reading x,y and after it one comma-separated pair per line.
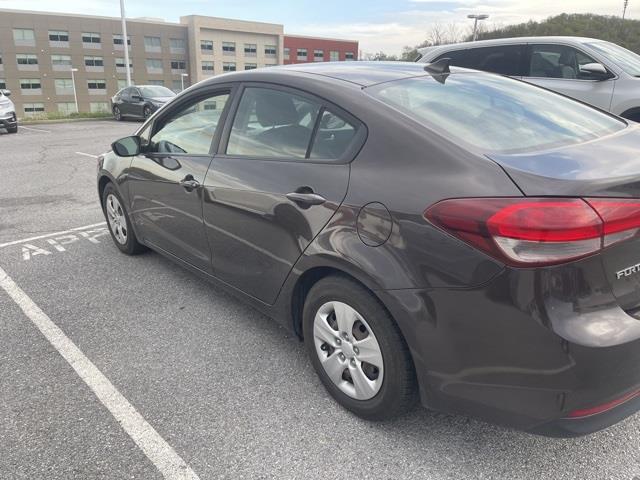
x,y
281,173
557,67
500,59
165,181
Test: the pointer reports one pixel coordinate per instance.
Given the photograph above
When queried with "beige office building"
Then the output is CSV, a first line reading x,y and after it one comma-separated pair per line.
x,y
39,49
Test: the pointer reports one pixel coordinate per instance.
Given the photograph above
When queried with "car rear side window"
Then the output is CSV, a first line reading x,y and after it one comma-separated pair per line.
x,y
495,114
189,130
504,59
272,124
333,138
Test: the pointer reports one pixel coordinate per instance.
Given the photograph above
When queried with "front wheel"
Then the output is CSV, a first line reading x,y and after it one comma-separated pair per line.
x,y
119,224
357,350
146,112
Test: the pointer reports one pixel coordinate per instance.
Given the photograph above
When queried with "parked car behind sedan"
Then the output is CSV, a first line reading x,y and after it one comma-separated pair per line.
x,y
457,236
601,73
139,101
8,118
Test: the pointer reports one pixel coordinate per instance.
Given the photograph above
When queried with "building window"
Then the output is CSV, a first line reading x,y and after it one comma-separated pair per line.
x,y
27,59
93,62
3,84
64,60
349,56
160,83
302,54
58,36
177,45
287,52
120,63
270,50
250,49
207,67
98,107
229,48
24,36
250,66
64,86
228,67
154,65
96,84
117,39
152,44
30,84
91,38
206,46
178,65
318,55
334,56
66,108
33,108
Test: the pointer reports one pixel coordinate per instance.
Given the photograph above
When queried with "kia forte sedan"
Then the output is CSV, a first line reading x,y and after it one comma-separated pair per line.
x,y
452,236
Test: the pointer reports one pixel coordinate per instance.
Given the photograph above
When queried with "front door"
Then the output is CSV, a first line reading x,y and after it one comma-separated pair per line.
x,y
282,172
165,181
557,67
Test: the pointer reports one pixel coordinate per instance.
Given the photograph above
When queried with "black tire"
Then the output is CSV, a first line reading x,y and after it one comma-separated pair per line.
x,y
117,114
12,130
131,246
398,392
146,112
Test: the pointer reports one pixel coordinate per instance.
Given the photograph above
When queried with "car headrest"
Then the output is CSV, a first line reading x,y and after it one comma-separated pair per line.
x,y
275,108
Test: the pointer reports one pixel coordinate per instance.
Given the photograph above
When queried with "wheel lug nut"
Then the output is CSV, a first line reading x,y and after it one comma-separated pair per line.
x,y
338,341
353,362
345,336
341,356
356,350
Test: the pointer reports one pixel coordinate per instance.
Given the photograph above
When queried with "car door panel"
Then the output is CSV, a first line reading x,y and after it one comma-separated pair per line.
x,y
546,73
256,233
165,184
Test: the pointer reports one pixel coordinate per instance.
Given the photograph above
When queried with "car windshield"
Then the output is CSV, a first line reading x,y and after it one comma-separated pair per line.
x,y
495,114
156,91
625,59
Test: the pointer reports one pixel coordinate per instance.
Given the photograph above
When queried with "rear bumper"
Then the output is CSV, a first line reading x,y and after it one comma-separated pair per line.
x,y
497,352
8,120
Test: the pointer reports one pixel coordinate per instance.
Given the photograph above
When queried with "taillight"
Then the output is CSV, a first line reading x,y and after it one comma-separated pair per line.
x,y
537,231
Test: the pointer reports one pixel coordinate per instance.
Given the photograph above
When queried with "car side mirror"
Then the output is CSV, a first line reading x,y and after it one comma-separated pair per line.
x,y
127,146
6,93
597,70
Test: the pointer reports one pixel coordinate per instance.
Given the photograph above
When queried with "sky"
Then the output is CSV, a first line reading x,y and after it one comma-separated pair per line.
x,y
379,25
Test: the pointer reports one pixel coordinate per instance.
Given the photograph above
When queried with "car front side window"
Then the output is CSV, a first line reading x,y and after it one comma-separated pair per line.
x,y
191,129
558,61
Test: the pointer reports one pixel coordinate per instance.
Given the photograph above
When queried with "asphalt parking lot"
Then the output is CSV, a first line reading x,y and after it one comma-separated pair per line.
x,y
225,389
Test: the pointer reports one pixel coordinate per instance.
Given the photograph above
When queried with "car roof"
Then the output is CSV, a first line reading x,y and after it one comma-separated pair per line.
x,y
363,74
511,40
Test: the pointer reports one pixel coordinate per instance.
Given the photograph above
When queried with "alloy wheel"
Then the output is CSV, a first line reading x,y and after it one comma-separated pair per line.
x,y
348,350
117,220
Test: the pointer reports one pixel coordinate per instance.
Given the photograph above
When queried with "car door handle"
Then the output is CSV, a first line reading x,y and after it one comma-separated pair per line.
x,y
189,182
306,198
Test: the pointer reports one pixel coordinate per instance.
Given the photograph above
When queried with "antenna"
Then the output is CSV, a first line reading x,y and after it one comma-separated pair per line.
x,y
439,67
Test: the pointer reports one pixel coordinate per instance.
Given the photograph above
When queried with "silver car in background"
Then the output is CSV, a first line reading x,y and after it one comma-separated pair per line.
x,y
8,119
594,71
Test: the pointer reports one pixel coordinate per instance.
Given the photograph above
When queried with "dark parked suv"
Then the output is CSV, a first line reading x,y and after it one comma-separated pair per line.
x,y
139,101
457,236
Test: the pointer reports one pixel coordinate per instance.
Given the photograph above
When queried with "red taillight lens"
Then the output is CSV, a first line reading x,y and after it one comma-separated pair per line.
x,y
537,231
605,407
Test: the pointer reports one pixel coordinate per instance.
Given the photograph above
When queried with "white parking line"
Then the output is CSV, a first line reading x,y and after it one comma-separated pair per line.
x,y
165,458
86,154
34,129
54,234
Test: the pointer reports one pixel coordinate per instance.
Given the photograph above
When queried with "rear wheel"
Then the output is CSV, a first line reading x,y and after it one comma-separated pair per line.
x,y
357,350
12,129
117,114
119,224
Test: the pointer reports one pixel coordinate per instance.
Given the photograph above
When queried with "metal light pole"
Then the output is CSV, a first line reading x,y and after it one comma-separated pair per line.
x,y
73,81
624,9
182,75
125,41
476,17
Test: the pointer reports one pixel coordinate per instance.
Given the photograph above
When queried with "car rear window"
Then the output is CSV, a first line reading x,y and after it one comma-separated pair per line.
x,y
495,114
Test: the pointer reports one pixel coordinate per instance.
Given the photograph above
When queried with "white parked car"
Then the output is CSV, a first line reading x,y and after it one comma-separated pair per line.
x,y
8,119
594,71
